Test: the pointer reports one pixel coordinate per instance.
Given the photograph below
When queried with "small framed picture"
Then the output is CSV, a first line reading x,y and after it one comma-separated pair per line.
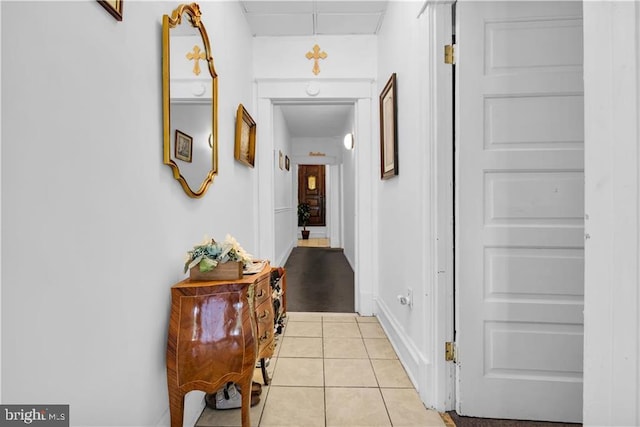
x,y
114,7
280,160
287,164
183,146
245,143
388,130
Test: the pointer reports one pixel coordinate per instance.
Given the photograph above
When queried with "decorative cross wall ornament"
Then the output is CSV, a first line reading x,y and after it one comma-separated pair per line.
x,y
316,55
196,55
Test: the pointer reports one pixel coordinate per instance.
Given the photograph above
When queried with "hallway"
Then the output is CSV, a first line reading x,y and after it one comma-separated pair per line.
x,y
85,181
334,370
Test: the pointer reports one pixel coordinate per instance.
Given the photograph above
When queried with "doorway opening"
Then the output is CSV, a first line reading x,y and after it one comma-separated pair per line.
x,y
277,223
323,172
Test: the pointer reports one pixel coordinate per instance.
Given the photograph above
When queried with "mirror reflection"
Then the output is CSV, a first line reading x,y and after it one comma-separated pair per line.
x,y
189,100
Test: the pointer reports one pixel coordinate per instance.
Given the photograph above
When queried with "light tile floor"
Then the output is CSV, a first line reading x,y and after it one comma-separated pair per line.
x,y
332,370
314,242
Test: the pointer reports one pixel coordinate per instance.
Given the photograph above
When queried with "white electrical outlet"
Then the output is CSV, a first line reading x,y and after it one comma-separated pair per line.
x,y
408,299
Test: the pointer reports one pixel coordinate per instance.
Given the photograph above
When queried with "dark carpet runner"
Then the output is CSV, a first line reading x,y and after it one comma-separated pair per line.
x,y
459,421
319,280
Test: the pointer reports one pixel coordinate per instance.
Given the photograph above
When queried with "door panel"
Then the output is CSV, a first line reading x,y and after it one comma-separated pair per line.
x,y
311,189
520,192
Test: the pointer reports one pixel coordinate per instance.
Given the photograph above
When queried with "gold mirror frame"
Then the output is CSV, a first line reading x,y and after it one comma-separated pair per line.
x,y
193,12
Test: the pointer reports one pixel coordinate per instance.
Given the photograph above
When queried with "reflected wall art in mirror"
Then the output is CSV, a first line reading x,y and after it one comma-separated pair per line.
x,y
189,100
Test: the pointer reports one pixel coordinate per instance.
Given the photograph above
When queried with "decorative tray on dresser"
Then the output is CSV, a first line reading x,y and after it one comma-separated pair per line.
x,y
217,331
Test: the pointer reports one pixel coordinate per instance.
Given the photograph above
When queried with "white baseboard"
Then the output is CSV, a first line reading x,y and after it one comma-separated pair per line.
x,y
415,363
285,256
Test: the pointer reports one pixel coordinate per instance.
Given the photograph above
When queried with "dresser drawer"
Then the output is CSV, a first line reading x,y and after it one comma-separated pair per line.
x,y
263,291
264,317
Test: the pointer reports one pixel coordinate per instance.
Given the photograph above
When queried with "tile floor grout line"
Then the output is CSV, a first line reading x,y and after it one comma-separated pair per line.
x,y
270,380
384,402
324,374
389,406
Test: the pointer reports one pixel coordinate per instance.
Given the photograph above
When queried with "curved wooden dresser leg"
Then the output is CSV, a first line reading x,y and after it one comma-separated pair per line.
x,y
246,402
176,407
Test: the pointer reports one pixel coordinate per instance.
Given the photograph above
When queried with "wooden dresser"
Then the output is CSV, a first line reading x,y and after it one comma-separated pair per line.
x,y
265,321
217,332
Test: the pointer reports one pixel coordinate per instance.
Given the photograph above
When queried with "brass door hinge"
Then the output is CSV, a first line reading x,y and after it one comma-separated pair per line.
x,y
450,351
449,54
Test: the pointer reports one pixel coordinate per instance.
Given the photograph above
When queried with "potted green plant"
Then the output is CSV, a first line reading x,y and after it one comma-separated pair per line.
x,y
304,213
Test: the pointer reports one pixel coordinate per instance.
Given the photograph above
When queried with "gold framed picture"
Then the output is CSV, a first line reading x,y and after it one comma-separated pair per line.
x,y
183,146
114,7
245,144
388,130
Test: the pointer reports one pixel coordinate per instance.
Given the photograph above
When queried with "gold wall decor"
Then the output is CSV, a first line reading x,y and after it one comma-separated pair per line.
x,y
196,55
316,154
245,142
316,55
114,7
195,116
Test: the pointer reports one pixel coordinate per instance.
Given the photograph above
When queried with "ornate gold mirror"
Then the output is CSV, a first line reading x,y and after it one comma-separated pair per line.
x,y
189,100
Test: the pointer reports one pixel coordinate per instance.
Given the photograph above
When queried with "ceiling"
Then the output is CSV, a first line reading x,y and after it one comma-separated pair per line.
x,y
318,120
268,18
313,17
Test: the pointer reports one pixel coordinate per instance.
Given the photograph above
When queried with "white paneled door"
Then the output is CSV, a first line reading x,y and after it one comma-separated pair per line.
x,y
520,193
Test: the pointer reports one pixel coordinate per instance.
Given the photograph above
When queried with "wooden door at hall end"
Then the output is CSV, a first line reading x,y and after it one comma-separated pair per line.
x,y
311,189
520,197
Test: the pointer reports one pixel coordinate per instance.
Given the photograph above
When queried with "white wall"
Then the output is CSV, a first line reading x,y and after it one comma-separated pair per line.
x,y
348,57
94,227
348,191
612,222
285,204
348,204
330,147
404,237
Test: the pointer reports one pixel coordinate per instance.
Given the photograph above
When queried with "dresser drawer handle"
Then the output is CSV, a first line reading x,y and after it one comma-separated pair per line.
x,y
264,315
264,337
260,293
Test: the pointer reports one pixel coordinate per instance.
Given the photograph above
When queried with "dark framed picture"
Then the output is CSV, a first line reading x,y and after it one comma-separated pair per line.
x,y
183,146
114,7
388,130
245,145
287,163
